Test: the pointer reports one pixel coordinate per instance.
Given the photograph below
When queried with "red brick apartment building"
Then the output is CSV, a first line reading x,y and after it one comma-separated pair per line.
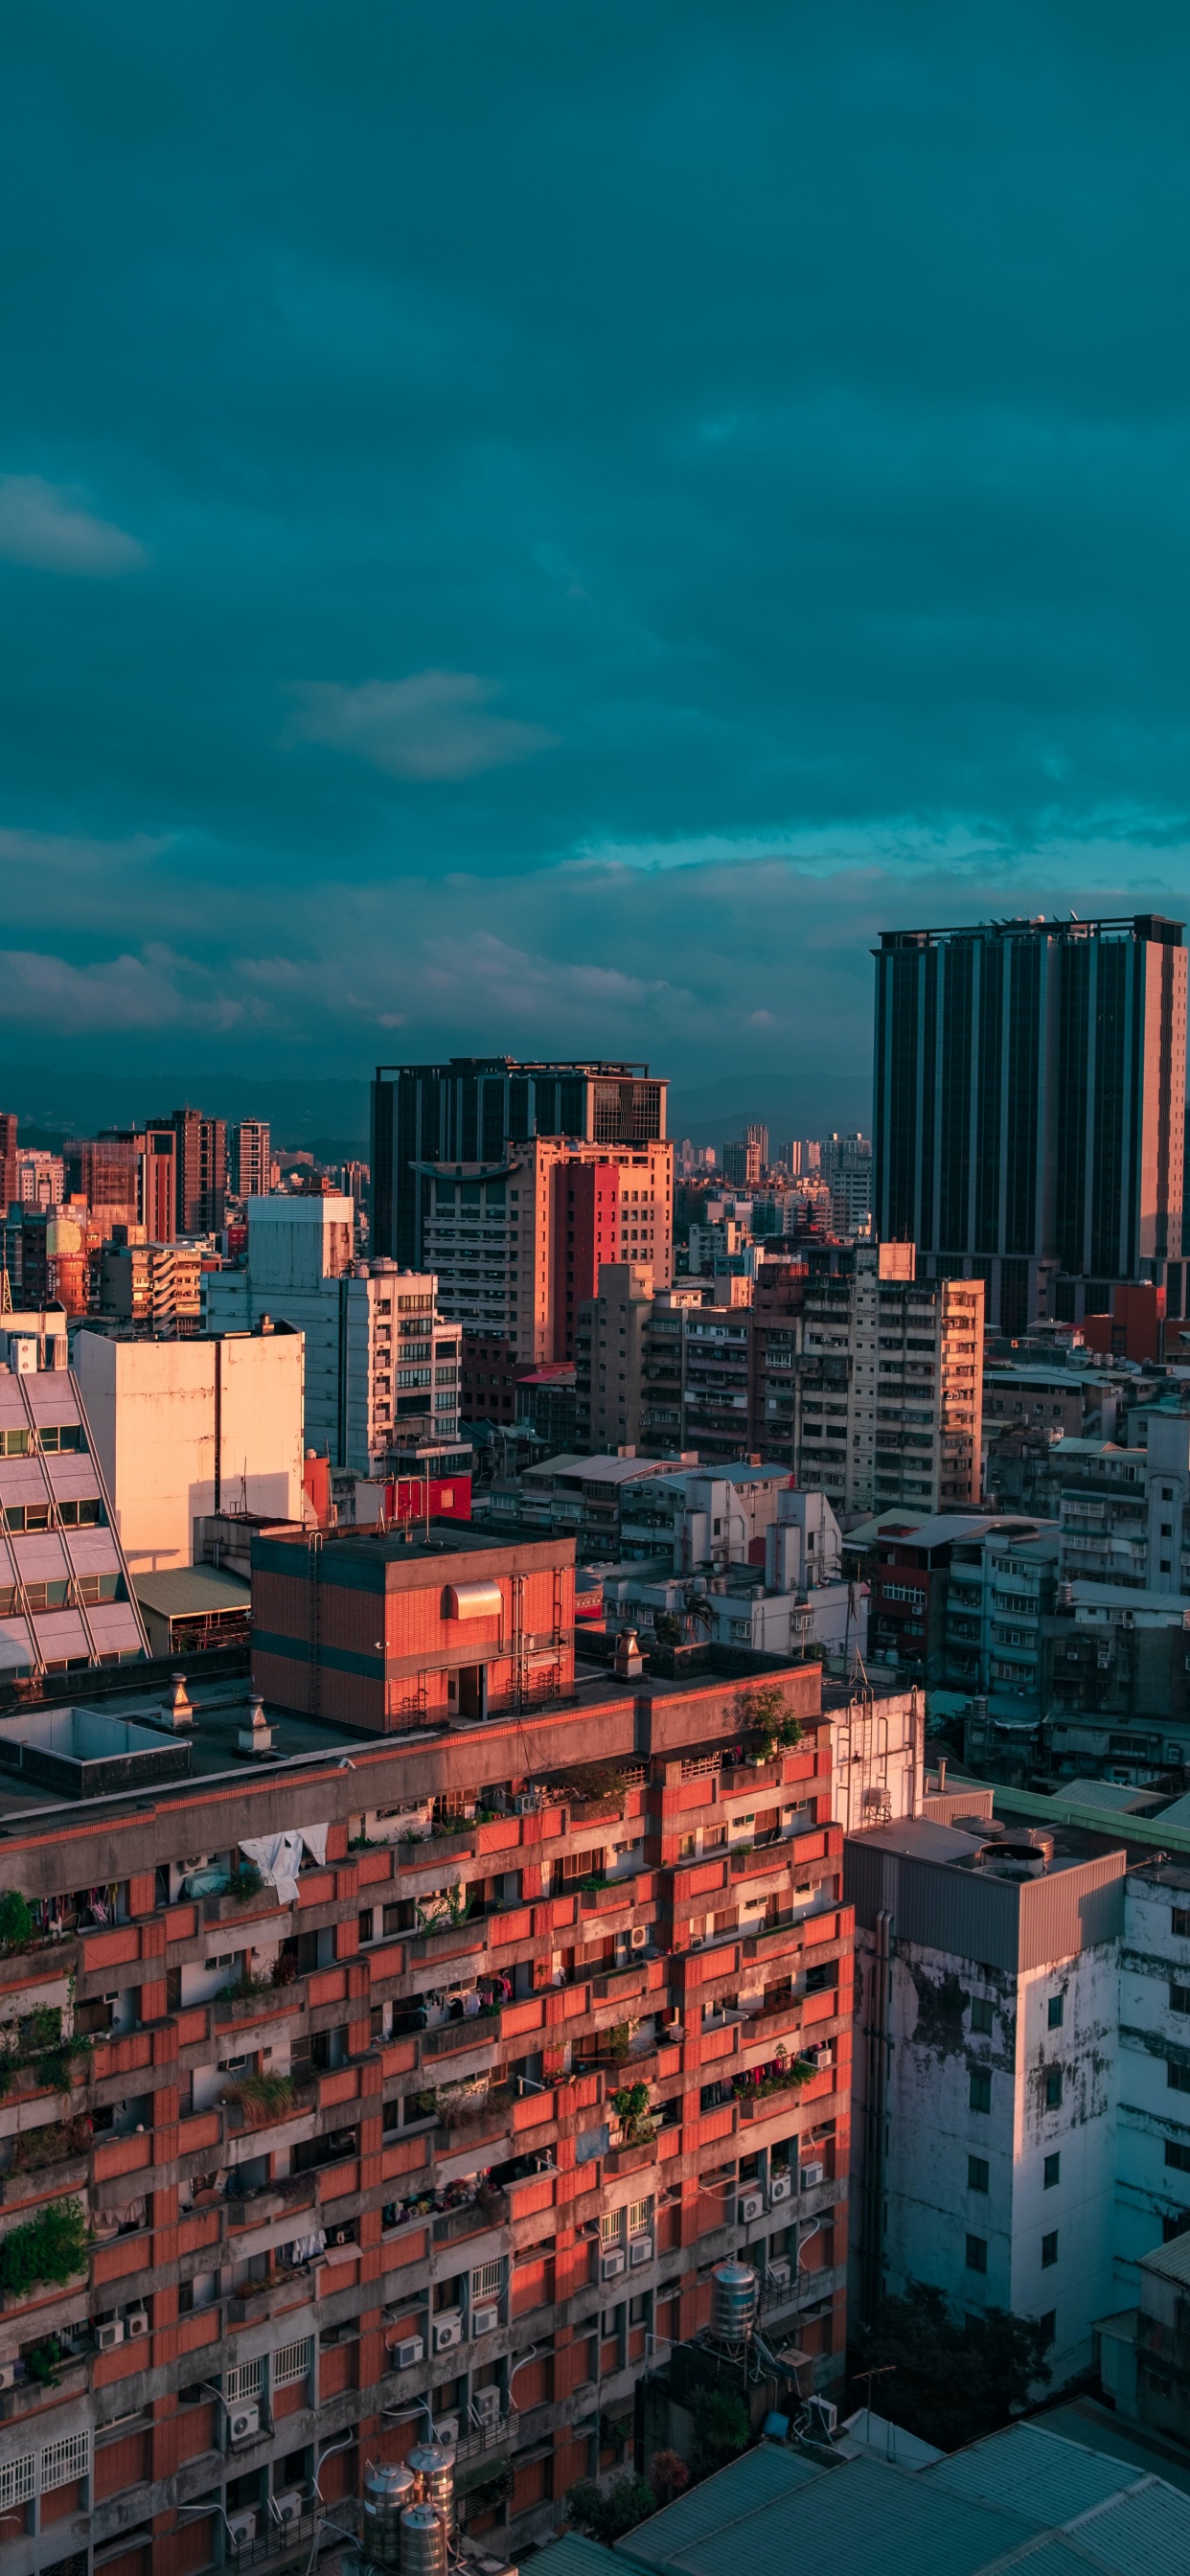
x,y
364,2138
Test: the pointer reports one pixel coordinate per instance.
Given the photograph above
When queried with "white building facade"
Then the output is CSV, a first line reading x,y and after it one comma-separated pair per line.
x,y
185,1428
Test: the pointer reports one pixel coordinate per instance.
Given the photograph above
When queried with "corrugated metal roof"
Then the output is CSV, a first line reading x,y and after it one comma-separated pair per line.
x,y
1141,2533
861,2519
1172,2260
191,1588
572,2556
745,2487
1033,2472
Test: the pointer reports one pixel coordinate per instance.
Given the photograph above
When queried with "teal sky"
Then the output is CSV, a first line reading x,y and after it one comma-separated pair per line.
x,y
546,527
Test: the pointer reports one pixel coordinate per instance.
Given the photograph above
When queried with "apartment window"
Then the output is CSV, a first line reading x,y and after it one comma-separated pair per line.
x,y
981,2014
1049,2327
981,2088
1055,2010
977,2254
487,2279
638,2218
1053,2172
609,2227
1053,2087
1180,1922
1179,1998
977,2173
1049,2249
1178,2076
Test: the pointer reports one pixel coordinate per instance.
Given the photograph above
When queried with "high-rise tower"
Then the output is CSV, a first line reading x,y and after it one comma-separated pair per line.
x,y
1029,1087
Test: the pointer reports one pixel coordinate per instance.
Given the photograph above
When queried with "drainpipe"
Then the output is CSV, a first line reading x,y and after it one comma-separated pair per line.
x,y
878,2045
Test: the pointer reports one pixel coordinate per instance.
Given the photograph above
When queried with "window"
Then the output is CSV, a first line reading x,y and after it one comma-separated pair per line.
x,y
1049,2249
1053,2087
1055,2010
977,2254
981,2088
1180,1922
1177,2156
977,2173
1053,2172
609,2227
1049,2327
487,2279
1179,1998
638,2217
981,2014
1178,2076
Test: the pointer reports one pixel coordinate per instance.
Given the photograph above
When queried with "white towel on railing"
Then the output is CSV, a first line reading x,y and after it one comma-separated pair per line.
x,y
278,1857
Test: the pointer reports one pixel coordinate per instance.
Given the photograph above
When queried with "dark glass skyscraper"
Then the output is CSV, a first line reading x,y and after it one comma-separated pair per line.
x,y
1029,1087
467,1110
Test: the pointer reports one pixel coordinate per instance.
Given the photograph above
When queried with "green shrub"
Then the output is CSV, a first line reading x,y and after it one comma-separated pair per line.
x,y
245,1880
50,2247
264,2097
721,2429
16,1920
606,2513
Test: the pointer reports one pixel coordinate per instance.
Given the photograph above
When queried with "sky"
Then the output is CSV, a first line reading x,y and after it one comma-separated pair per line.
x,y
548,528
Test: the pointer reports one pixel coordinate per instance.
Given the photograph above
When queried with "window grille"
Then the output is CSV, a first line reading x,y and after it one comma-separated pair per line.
x,y
18,2481
487,2279
293,2362
609,2227
63,2461
638,2217
244,2379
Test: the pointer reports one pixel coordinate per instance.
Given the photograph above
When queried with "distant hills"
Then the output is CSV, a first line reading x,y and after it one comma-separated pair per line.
x,y
331,1118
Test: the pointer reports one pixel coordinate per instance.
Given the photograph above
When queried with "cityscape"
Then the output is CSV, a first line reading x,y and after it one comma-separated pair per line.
x,y
594,1291
793,1606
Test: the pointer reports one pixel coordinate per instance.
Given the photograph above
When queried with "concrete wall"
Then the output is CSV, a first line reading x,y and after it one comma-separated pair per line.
x,y
1153,2039
152,1410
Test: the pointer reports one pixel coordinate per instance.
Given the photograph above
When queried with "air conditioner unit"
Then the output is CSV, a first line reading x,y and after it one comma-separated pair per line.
x,y
448,2331
136,2323
8,2374
484,2320
446,2431
640,2251
780,2186
750,2206
778,2276
241,2529
639,1936
485,2406
108,2336
526,1802
243,2424
406,2353
288,2507
612,2264
810,2177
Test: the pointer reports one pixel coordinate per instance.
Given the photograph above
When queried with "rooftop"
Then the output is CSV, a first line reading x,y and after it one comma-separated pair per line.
x,y
183,1590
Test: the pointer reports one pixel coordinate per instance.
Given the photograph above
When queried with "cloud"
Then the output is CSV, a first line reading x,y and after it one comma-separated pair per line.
x,y
427,726
42,524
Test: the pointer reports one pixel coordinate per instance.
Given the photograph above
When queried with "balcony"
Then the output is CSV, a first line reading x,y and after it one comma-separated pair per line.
x,y
260,2299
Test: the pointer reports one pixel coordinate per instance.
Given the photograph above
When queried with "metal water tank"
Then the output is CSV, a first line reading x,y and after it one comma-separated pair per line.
x,y
388,2490
433,2467
423,2541
733,2302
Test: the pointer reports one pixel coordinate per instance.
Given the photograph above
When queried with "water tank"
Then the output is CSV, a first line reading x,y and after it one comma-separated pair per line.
x,y
733,2302
387,2493
433,2466
423,2541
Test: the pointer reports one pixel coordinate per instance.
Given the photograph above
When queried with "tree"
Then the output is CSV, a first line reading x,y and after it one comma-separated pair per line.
x,y
951,2382
721,2429
768,1711
606,2513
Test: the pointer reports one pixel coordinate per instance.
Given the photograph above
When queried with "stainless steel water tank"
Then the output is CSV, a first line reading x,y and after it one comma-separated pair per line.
x,y
388,2490
733,2302
433,2466
423,2541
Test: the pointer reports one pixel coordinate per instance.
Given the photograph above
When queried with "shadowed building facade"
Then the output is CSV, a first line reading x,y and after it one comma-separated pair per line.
x,y
1029,1088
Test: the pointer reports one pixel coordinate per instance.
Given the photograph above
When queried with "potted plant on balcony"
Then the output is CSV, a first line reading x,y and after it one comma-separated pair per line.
x,y
768,1714
632,2109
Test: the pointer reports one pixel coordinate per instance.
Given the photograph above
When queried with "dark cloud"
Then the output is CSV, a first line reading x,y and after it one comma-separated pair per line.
x,y
552,527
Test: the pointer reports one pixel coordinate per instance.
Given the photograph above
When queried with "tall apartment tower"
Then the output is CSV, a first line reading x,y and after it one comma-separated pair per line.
x,y
249,1159
891,1384
466,1112
8,1154
200,1171
1029,1089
